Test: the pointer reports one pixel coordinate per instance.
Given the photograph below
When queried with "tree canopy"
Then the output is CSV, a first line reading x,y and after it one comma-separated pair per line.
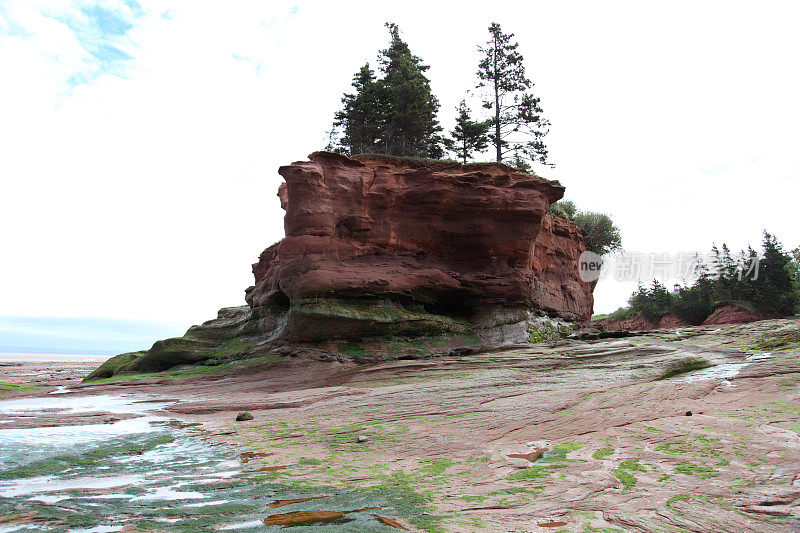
x,y
393,110
394,114
761,282
599,232
468,136
518,127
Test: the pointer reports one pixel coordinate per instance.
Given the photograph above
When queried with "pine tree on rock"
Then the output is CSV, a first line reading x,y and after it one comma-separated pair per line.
x,y
364,117
394,114
468,136
518,127
412,128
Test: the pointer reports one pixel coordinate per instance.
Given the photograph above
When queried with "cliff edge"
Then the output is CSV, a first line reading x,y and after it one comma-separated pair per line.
x,y
390,257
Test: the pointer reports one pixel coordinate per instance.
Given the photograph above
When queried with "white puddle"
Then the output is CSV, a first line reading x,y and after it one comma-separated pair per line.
x,y
75,435
723,372
103,477
75,404
204,504
244,525
33,485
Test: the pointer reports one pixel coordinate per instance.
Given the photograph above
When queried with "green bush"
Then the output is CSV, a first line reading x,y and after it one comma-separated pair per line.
x,y
599,232
651,303
564,208
692,305
620,314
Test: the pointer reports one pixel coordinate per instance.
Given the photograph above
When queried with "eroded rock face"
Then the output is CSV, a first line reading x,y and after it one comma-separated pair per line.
x,y
638,323
380,248
731,313
722,313
557,289
428,249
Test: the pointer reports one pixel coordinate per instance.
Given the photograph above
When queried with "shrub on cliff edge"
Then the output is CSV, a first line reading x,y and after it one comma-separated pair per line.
x,y
598,230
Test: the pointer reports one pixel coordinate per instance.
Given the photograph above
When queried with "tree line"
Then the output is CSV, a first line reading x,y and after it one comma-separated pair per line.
x,y
769,283
393,111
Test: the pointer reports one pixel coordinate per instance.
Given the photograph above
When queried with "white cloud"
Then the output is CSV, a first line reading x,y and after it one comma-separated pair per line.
x,y
147,190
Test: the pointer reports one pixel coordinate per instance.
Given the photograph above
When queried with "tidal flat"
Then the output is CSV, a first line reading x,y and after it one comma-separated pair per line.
x,y
693,429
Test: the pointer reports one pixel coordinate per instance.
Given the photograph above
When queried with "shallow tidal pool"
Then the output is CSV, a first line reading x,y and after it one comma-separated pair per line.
x,y
154,474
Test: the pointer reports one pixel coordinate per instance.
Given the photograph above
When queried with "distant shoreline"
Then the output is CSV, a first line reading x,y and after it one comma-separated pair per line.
x,y
45,357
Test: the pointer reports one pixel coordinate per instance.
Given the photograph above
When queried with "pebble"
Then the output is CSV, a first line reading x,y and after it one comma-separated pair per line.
x,y
361,438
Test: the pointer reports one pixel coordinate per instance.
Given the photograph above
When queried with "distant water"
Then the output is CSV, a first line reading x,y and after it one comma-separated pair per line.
x,y
92,336
56,358
146,471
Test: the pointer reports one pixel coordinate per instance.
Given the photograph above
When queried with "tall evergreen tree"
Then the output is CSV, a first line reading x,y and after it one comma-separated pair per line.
x,y
394,114
412,127
773,289
468,136
517,122
363,117
794,273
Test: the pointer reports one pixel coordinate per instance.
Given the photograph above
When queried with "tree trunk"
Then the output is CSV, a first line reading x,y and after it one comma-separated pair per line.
x,y
497,143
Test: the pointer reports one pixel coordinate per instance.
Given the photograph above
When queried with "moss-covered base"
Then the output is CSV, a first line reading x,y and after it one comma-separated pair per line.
x,y
333,328
323,319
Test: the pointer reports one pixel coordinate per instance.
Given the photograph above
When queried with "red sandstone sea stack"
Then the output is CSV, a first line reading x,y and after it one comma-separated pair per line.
x,y
454,240
380,248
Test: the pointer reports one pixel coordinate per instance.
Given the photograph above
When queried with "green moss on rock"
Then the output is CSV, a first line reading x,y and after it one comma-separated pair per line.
x,y
171,352
114,366
353,319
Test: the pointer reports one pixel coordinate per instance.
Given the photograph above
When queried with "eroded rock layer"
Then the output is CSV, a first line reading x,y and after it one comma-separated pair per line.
x,y
427,249
383,248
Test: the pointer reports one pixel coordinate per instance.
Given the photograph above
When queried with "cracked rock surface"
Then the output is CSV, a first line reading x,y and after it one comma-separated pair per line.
x,y
567,436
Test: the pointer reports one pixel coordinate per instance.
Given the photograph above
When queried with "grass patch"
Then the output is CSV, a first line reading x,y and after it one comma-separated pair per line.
x,y
520,490
689,497
602,454
435,466
14,387
701,471
399,492
623,473
438,164
674,447
684,366
777,340
533,472
558,454
627,479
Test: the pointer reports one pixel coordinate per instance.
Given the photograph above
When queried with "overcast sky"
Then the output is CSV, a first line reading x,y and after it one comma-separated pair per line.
x,y
140,140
